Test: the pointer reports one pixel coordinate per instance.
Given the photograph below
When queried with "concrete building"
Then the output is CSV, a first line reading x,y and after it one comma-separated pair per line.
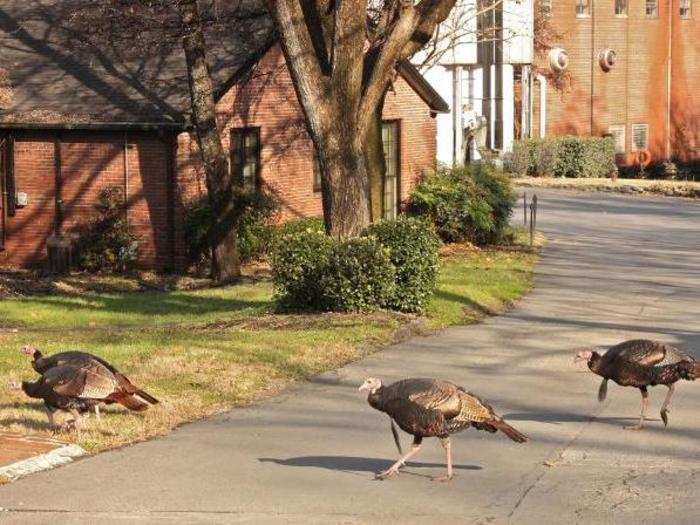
x,y
483,70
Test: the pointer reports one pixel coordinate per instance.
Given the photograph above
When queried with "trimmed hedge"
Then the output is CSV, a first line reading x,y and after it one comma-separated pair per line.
x,y
359,276
299,263
413,245
568,156
392,265
466,203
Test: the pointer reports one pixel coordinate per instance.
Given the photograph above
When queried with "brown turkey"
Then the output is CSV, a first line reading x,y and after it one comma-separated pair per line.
x,y
139,397
433,408
642,363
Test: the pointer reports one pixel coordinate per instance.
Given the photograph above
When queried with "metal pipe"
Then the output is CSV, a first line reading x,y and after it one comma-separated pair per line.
x,y
668,80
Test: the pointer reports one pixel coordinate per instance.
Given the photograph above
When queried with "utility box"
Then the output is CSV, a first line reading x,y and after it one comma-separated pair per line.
x,y
59,251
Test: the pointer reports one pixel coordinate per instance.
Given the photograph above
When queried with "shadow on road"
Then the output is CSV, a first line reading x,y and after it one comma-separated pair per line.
x,y
353,463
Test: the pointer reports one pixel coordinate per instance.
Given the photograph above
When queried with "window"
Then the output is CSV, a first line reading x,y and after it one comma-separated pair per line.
x,y
546,7
620,7
640,136
583,8
390,144
245,155
317,173
684,8
617,133
652,8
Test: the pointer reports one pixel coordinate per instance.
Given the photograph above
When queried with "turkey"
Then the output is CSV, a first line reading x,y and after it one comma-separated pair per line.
x,y
433,408
641,363
138,397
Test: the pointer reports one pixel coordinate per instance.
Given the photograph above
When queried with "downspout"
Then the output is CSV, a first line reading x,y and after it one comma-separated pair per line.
x,y
126,178
543,104
498,77
593,61
668,80
457,124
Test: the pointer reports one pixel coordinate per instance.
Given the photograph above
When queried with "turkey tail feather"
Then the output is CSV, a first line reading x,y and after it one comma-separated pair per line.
x,y
395,433
509,431
132,403
603,391
147,397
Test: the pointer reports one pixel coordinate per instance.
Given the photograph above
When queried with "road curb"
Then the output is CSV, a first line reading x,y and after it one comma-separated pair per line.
x,y
54,458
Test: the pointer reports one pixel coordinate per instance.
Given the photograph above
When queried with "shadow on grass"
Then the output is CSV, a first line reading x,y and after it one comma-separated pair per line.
x,y
353,463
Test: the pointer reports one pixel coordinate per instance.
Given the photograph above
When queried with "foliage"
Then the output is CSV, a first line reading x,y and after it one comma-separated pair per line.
x,y
299,262
467,203
568,156
413,248
359,276
106,243
255,210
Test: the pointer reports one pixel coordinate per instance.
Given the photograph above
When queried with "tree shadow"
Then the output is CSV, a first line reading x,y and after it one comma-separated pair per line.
x,y
354,463
556,418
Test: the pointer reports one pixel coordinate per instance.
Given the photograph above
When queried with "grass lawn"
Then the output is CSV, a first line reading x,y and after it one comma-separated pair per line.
x,y
206,350
674,188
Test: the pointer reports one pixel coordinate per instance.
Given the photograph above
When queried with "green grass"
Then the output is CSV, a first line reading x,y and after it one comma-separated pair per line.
x,y
203,351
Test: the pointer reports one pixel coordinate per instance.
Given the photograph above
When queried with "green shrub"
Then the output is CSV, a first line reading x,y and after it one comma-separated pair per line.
x,y
299,262
255,210
471,203
359,276
569,156
412,245
300,225
106,243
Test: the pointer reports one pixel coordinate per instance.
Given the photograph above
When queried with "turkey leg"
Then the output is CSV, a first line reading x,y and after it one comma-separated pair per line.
x,y
645,404
666,407
445,442
394,469
77,419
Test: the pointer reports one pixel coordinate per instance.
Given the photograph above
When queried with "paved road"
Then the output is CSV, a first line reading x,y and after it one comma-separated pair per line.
x,y
615,268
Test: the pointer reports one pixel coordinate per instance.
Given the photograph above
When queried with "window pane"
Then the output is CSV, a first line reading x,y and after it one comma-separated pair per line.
x,y
620,7
684,8
317,174
582,7
652,8
245,155
391,160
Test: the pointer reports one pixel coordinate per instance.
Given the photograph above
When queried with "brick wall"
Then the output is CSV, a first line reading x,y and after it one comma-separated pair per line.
x,y
89,162
634,91
138,162
267,100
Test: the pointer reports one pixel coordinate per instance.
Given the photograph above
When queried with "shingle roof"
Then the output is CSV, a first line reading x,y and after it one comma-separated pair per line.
x,y
58,76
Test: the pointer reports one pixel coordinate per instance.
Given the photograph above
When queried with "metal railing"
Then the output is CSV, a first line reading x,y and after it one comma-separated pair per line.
x,y
533,215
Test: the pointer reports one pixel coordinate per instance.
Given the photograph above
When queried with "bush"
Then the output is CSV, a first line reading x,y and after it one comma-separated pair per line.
x,y
254,212
412,246
471,203
106,244
300,225
359,276
568,156
299,263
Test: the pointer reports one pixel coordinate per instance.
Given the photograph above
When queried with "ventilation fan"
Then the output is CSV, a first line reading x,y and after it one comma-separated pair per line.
x,y
607,59
558,60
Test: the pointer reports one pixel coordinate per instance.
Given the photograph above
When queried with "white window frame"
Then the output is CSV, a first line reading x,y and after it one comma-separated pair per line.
x,y
635,127
625,4
654,4
685,9
618,130
586,5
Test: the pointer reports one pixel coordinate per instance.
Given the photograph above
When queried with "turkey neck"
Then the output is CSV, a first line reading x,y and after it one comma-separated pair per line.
x,y
375,399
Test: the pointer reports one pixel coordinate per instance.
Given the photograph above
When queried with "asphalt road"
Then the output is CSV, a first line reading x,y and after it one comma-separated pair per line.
x,y
615,268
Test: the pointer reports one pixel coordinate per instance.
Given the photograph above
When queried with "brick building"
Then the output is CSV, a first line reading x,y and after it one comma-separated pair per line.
x,y
634,69
76,118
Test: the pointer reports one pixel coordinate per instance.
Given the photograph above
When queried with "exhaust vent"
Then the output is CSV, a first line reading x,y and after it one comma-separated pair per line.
x,y
607,59
558,60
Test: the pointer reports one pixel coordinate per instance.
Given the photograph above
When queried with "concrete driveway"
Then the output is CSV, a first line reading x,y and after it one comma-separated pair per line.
x,y
615,268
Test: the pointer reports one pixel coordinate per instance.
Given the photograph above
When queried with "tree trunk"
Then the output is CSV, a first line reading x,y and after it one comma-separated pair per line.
x,y
376,166
220,187
344,183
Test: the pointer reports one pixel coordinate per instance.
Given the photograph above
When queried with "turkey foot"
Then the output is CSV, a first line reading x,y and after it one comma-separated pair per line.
x,y
443,479
394,469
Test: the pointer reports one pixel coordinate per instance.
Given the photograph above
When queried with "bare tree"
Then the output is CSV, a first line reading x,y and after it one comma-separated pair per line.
x,y
342,56
220,184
